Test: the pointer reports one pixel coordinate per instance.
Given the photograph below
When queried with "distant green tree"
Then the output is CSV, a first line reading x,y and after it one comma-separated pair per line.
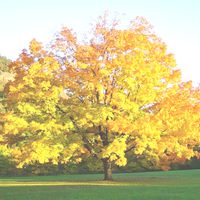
x,y
4,62
5,76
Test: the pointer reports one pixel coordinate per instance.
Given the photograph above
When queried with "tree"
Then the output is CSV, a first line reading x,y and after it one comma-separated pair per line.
x,y
5,76
106,97
4,62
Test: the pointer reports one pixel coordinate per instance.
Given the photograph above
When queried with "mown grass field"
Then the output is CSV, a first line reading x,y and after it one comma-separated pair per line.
x,y
172,185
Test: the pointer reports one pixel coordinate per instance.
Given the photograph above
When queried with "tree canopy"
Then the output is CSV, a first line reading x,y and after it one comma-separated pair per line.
x,y
114,93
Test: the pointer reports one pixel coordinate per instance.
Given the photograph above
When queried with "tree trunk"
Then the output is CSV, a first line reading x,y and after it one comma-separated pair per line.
x,y
107,169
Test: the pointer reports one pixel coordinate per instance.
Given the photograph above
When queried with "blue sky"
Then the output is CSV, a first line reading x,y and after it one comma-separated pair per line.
x,y
177,22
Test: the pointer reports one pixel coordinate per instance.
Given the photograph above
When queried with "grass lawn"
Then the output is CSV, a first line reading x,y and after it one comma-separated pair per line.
x,y
172,185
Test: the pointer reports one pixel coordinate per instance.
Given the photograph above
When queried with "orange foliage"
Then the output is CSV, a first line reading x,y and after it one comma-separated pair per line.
x,y
117,92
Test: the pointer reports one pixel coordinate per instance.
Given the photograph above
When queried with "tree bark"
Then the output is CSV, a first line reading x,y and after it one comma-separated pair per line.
x,y
107,169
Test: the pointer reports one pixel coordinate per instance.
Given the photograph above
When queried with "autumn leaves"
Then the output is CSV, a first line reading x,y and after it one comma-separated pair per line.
x,y
116,92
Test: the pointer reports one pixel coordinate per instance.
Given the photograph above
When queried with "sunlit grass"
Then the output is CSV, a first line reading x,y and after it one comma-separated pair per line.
x,y
172,185
62,183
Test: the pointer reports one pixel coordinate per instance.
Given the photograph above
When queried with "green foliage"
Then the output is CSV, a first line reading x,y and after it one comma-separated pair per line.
x,y
5,76
7,165
4,62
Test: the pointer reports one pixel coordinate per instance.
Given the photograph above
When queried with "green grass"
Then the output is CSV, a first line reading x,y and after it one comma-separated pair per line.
x,y
172,185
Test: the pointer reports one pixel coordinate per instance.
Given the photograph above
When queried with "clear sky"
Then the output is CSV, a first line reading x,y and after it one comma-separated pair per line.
x,y
177,22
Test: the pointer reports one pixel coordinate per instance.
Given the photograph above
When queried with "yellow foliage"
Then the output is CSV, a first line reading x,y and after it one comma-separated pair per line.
x,y
14,124
116,151
122,94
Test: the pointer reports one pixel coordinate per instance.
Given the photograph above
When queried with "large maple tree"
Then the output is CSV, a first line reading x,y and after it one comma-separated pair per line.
x,y
114,93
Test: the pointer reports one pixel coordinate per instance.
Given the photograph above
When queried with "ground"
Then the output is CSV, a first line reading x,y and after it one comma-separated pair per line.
x,y
172,185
